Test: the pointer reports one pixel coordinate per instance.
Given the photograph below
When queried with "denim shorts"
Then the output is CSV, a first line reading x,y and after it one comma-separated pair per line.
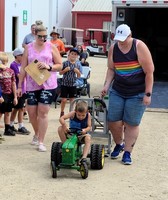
x,y
40,96
127,109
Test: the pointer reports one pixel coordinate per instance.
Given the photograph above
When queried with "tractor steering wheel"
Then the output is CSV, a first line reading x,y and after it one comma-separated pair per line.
x,y
77,131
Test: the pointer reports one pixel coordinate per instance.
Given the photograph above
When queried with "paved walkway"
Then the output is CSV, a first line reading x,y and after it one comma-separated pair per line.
x,y
160,95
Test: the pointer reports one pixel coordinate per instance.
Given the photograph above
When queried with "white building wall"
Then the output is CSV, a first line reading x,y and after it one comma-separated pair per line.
x,y
14,8
61,15
51,12
40,11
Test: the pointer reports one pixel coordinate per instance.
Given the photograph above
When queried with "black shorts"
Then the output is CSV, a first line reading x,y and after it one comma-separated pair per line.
x,y
40,96
68,92
7,105
21,102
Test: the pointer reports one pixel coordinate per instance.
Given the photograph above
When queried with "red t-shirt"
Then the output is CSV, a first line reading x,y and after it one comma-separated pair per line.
x,y
7,77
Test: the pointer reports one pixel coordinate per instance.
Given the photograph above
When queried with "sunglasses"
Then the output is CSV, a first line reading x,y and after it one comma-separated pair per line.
x,y
42,36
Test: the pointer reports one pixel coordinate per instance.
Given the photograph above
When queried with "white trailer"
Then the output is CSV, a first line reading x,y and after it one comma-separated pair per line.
x,y
148,21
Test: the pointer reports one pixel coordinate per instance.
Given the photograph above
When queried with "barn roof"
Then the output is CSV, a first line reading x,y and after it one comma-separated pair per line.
x,y
93,6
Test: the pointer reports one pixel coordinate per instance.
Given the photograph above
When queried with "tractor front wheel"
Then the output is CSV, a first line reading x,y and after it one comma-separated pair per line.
x,y
84,170
53,169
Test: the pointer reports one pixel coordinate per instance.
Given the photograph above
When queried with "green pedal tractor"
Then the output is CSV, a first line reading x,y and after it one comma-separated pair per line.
x,y
68,155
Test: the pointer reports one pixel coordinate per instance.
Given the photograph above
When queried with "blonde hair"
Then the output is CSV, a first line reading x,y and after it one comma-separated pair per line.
x,y
3,58
39,26
81,106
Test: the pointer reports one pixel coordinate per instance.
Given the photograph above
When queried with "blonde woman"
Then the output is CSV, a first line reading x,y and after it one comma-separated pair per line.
x,y
39,98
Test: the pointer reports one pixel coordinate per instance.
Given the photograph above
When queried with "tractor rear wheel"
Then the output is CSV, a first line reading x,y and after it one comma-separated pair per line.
x,y
97,156
84,170
56,153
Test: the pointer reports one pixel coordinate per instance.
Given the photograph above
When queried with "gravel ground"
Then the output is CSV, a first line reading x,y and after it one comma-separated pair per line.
x,y
25,172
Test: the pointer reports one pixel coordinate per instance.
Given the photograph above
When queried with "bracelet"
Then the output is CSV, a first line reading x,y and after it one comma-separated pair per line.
x,y
50,68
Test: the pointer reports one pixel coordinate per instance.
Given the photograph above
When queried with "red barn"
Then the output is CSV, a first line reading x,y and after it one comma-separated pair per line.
x,y
93,14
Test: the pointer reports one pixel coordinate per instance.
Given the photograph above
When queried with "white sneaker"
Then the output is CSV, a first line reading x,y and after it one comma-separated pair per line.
x,y
34,141
42,148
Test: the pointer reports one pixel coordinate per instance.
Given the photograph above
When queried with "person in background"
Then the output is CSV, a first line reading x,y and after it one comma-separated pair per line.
x,y
82,56
80,118
82,60
57,42
8,87
40,97
129,82
79,81
70,72
19,108
30,37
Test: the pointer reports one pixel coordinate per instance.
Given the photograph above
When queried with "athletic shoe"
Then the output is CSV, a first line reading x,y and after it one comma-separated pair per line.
x,y
117,150
42,148
13,128
9,132
126,159
35,140
23,131
82,160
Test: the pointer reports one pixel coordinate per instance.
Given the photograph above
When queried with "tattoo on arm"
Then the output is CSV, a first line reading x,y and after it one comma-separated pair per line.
x,y
133,144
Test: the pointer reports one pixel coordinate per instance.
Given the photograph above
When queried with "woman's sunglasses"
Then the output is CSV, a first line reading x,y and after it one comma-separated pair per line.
x,y
42,36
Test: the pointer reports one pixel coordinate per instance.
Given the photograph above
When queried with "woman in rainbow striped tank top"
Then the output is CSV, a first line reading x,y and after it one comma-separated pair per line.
x,y
129,81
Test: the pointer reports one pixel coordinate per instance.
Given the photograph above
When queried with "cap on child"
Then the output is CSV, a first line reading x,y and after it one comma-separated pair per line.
x,y
18,51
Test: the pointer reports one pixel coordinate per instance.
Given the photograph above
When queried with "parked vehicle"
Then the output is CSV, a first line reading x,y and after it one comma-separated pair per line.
x,y
74,35
147,20
93,48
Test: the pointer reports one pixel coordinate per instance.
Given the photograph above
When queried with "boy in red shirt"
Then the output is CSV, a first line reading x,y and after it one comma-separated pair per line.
x,y
8,87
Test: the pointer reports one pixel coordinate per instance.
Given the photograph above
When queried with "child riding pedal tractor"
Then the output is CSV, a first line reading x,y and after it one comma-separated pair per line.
x,y
68,153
